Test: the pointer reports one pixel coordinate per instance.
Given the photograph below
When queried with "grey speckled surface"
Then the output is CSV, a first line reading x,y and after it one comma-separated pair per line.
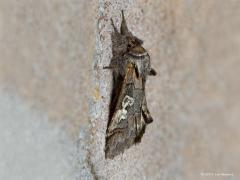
x,y
31,147
52,54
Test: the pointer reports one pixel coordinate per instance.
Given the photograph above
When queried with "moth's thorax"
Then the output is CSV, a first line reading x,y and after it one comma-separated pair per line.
x,y
141,63
137,51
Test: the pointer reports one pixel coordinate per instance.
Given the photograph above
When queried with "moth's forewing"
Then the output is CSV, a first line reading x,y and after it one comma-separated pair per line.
x,y
121,134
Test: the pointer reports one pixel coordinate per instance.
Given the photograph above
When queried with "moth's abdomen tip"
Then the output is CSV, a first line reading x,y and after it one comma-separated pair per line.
x,y
111,154
108,156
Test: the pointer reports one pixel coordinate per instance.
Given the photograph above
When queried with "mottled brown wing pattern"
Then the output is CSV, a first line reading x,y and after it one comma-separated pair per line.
x,y
126,126
129,113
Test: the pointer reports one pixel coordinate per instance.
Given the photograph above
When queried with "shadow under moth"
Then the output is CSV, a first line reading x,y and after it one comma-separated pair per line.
x,y
129,113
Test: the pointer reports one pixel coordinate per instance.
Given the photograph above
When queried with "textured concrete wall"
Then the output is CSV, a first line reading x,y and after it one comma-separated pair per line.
x,y
52,54
46,52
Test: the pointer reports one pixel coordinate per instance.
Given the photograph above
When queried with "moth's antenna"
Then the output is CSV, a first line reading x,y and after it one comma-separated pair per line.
x,y
114,27
124,28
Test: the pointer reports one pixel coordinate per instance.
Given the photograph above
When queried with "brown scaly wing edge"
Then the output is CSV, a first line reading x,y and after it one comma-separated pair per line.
x,y
121,136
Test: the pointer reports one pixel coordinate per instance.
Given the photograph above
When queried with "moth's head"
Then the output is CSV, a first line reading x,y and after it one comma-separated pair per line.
x,y
128,42
134,44
135,47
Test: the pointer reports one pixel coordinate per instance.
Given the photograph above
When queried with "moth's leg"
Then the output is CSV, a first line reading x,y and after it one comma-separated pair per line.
x,y
107,67
112,65
145,112
152,72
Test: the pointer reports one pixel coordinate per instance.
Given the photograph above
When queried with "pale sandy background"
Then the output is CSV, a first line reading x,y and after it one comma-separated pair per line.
x,y
51,58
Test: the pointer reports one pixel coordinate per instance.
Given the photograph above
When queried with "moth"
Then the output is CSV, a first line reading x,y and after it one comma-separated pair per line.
x,y
129,113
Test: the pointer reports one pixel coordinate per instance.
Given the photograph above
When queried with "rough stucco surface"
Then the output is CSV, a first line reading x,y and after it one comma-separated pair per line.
x,y
46,49
52,54
30,145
